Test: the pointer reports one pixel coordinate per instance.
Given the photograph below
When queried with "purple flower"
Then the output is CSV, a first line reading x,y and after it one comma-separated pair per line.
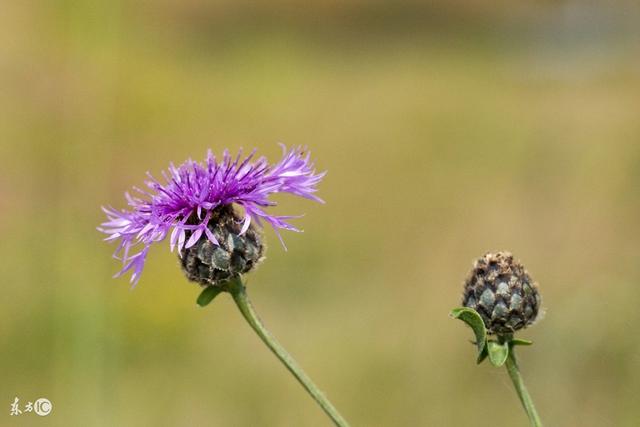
x,y
183,205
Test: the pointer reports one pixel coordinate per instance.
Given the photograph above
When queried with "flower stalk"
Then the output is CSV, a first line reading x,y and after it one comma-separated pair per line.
x,y
527,403
238,291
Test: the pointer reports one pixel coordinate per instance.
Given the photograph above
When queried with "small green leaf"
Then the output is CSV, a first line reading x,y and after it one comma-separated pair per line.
x,y
518,341
498,353
482,355
207,295
473,319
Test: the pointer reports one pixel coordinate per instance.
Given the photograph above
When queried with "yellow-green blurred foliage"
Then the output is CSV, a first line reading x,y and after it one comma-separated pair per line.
x,y
446,130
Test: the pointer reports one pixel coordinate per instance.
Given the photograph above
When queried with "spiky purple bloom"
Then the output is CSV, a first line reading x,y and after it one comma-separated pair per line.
x,y
183,205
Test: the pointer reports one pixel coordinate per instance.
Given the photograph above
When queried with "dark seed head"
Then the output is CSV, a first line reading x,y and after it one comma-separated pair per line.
x,y
210,264
502,292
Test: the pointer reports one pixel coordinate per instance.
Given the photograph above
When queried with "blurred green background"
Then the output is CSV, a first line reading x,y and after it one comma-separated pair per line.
x,y
447,130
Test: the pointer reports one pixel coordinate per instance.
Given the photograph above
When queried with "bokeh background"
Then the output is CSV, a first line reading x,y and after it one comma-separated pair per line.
x,y
448,129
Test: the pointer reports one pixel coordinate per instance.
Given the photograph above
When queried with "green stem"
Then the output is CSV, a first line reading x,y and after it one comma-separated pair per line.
x,y
238,291
523,394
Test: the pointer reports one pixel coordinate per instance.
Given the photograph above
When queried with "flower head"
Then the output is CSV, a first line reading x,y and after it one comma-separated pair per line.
x,y
193,194
502,292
